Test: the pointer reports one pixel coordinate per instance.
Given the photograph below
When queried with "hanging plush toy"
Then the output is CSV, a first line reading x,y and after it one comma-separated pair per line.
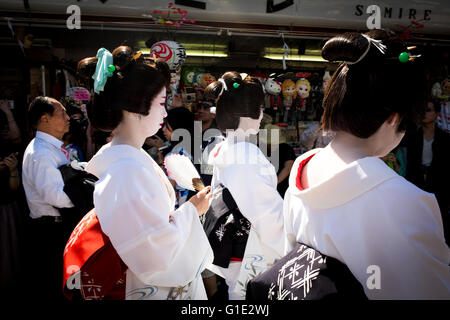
x,y
198,79
436,90
303,87
174,81
188,95
273,89
171,52
174,87
446,88
262,79
198,88
326,80
188,77
203,80
289,93
206,79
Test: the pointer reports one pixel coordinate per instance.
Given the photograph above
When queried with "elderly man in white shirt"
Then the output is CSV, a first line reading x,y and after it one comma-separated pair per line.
x,y
43,185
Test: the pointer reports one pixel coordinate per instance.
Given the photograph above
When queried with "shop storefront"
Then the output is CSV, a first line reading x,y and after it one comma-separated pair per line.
x,y
277,41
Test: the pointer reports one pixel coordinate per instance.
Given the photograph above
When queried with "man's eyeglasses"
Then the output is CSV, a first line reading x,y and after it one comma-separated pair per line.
x,y
204,106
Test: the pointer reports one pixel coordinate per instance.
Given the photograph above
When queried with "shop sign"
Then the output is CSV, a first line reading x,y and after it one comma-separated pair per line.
x,y
79,94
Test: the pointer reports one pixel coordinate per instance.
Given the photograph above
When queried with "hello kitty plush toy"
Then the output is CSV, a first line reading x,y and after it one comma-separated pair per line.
x,y
273,89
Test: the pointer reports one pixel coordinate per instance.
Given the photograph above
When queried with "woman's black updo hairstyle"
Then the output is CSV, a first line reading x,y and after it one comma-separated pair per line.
x,y
132,87
361,96
243,98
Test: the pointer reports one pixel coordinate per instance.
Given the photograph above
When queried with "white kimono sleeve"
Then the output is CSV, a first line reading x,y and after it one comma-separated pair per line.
x,y
289,234
258,200
399,252
133,208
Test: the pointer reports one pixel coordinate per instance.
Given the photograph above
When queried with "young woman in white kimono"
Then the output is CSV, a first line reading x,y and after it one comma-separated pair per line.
x,y
345,202
164,249
248,241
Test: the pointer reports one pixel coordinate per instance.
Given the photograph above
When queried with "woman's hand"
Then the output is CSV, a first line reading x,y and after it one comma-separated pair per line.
x,y
391,157
155,141
201,200
177,101
4,106
11,162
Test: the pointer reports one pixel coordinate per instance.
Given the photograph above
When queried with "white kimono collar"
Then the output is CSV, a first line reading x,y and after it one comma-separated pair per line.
x,y
357,178
231,152
108,154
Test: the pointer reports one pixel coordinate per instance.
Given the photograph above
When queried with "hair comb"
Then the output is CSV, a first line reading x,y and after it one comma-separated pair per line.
x,y
137,55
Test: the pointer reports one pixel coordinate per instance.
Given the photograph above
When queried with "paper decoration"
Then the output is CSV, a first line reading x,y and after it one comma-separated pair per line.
x,y
173,53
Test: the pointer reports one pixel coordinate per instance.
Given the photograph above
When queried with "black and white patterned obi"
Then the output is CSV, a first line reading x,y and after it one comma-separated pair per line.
x,y
226,228
305,274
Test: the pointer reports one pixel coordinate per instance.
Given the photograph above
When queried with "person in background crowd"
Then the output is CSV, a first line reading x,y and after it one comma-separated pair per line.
x,y
286,156
344,202
395,160
152,145
315,137
179,118
102,138
206,113
43,184
177,102
428,160
10,131
75,139
11,219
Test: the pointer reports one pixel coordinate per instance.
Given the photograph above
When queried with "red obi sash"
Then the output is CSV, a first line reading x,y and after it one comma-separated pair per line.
x,y
91,264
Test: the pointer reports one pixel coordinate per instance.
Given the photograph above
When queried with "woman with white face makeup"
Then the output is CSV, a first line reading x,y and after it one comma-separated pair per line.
x,y
160,251
246,234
